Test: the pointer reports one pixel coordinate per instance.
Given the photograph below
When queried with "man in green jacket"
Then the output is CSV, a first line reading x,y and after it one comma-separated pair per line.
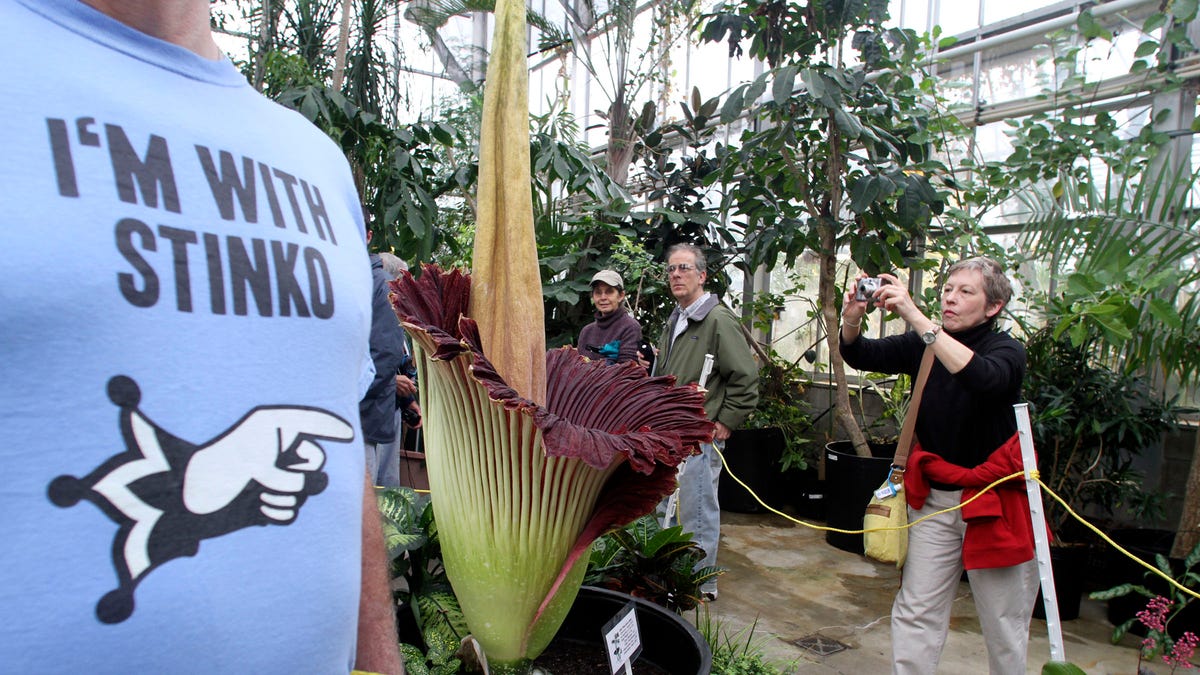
x,y
701,326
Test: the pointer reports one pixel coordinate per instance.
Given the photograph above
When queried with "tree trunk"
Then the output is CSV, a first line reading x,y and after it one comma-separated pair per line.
x,y
1188,534
343,43
266,41
827,291
619,150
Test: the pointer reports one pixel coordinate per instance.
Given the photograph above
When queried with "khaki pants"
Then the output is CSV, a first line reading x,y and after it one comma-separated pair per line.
x,y
1004,596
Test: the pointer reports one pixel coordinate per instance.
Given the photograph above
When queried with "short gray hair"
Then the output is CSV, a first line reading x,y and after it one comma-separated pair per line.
x,y
996,285
696,251
393,265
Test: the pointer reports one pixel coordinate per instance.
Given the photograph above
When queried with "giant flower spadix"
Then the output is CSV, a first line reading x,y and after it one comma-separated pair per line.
x,y
521,490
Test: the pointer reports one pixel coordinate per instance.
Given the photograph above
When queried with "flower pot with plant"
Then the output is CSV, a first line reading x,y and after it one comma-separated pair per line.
x,y
641,564
851,477
1089,423
770,453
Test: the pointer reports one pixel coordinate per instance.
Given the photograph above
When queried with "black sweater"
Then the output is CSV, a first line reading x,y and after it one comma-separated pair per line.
x,y
963,417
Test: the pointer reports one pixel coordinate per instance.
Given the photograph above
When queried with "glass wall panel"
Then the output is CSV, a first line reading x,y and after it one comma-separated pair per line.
x,y
1014,75
1103,60
956,85
957,16
995,11
912,14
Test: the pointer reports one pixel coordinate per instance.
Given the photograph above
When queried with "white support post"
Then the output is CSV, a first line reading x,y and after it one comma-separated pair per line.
x,y
1040,540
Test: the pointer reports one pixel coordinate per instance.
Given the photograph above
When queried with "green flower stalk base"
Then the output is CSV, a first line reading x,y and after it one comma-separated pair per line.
x,y
520,490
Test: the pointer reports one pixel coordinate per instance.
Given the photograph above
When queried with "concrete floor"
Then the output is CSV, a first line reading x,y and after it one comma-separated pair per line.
x,y
794,584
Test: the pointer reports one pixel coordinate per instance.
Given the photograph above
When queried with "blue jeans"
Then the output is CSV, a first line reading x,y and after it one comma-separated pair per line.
x,y
383,459
699,511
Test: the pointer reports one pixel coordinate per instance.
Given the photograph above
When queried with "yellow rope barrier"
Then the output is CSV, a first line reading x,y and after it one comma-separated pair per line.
x,y
1033,474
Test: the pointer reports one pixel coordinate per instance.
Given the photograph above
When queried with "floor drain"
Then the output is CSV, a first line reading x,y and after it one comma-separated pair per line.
x,y
820,645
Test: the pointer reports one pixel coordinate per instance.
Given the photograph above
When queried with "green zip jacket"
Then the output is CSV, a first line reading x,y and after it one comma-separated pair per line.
x,y
733,384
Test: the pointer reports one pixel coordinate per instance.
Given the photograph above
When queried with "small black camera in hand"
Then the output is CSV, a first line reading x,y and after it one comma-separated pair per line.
x,y
411,417
867,287
647,353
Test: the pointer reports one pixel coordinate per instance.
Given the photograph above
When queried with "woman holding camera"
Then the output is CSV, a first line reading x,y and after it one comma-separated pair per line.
x,y
966,431
614,336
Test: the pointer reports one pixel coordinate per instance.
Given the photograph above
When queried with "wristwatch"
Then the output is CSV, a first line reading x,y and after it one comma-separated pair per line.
x,y
930,335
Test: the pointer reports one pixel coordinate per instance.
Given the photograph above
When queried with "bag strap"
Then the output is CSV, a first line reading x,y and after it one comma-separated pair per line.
x,y
910,420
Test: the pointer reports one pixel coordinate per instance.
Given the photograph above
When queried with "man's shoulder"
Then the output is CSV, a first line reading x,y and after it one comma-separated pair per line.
x,y
722,316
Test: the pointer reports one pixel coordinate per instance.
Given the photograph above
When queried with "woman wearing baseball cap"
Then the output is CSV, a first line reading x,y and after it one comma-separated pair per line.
x,y
615,335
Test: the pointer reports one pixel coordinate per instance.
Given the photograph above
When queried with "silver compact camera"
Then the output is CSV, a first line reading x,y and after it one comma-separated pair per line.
x,y
867,287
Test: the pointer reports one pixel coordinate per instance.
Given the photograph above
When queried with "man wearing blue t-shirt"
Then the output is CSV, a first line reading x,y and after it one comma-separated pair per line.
x,y
184,475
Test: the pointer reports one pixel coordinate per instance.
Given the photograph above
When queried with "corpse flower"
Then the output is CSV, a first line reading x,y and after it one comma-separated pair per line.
x,y
522,490
531,454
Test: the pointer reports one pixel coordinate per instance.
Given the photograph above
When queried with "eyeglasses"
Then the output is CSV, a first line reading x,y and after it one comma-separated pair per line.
x,y
682,267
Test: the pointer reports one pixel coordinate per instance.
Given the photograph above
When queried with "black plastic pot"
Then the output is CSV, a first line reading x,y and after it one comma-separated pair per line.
x,y
413,470
850,481
1068,563
804,491
668,640
753,456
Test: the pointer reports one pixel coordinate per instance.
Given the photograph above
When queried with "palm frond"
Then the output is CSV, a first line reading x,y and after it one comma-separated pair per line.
x,y
1127,247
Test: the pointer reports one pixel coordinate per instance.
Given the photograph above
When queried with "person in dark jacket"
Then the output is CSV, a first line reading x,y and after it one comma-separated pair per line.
x,y
615,335
966,419
377,409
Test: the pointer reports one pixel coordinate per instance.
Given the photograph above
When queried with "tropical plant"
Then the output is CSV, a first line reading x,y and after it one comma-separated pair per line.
x,y
1130,244
631,67
1175,647
419,578
781,405
1061,668
892,393
531,454
647,561
841,157
402,171
1089,424
781,384
736,653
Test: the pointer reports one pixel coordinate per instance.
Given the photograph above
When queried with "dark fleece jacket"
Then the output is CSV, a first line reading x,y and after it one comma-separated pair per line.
x,y
618,325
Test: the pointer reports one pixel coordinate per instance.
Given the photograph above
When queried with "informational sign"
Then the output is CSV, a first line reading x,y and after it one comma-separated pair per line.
x,y
623,640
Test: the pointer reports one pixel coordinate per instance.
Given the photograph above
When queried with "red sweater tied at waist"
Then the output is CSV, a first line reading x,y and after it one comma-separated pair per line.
x,y
999,530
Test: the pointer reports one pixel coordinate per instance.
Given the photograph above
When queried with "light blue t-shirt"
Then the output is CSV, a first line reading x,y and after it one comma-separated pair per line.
x,y
184,310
